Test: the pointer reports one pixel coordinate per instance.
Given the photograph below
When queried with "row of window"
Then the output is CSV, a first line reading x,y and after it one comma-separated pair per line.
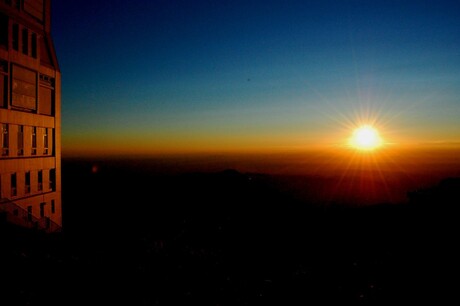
x,y
22,38
42,210
14,3
30,211
38,179
25,142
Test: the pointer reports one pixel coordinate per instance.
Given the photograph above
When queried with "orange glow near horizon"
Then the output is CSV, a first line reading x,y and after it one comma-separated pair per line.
x,y
365,131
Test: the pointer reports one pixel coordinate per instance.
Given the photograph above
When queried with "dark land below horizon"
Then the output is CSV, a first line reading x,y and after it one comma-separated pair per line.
x,y
136,233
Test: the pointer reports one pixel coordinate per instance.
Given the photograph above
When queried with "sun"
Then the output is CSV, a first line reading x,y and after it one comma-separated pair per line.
x,y
365,138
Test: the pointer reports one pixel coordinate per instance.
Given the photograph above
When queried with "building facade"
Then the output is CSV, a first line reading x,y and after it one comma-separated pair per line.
x,y
30,116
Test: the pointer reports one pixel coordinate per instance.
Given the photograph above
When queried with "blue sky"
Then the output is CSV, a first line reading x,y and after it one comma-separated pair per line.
x,y
256,75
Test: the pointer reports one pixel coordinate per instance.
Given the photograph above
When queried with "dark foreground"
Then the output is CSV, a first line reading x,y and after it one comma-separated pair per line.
x,y
131,237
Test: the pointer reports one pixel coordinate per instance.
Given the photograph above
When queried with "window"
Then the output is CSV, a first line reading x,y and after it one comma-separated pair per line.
x,y
45,54
3,82
5,140
14,3
29,213
34,141
46,95
45,142
15,39
40,180
34,8
27,182
42,210
52,179
13,185
33,45
3,31
24,88
53,207
25,41
3,87
21,140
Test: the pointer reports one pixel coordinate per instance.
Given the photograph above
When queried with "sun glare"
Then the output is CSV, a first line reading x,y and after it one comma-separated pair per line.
x,y
365,138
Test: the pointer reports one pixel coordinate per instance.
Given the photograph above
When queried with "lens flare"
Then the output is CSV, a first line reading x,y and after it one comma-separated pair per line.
x,y
365,138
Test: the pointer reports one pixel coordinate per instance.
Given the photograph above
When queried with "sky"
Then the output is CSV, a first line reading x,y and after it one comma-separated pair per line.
x,y
168,77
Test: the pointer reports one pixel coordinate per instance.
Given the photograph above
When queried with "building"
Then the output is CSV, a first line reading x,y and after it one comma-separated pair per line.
x,y
30,116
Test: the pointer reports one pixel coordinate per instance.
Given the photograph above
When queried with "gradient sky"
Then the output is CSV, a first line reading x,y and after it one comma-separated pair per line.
x,y
149,76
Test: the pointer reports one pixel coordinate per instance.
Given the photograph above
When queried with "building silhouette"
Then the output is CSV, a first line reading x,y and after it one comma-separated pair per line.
x,y
30,116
